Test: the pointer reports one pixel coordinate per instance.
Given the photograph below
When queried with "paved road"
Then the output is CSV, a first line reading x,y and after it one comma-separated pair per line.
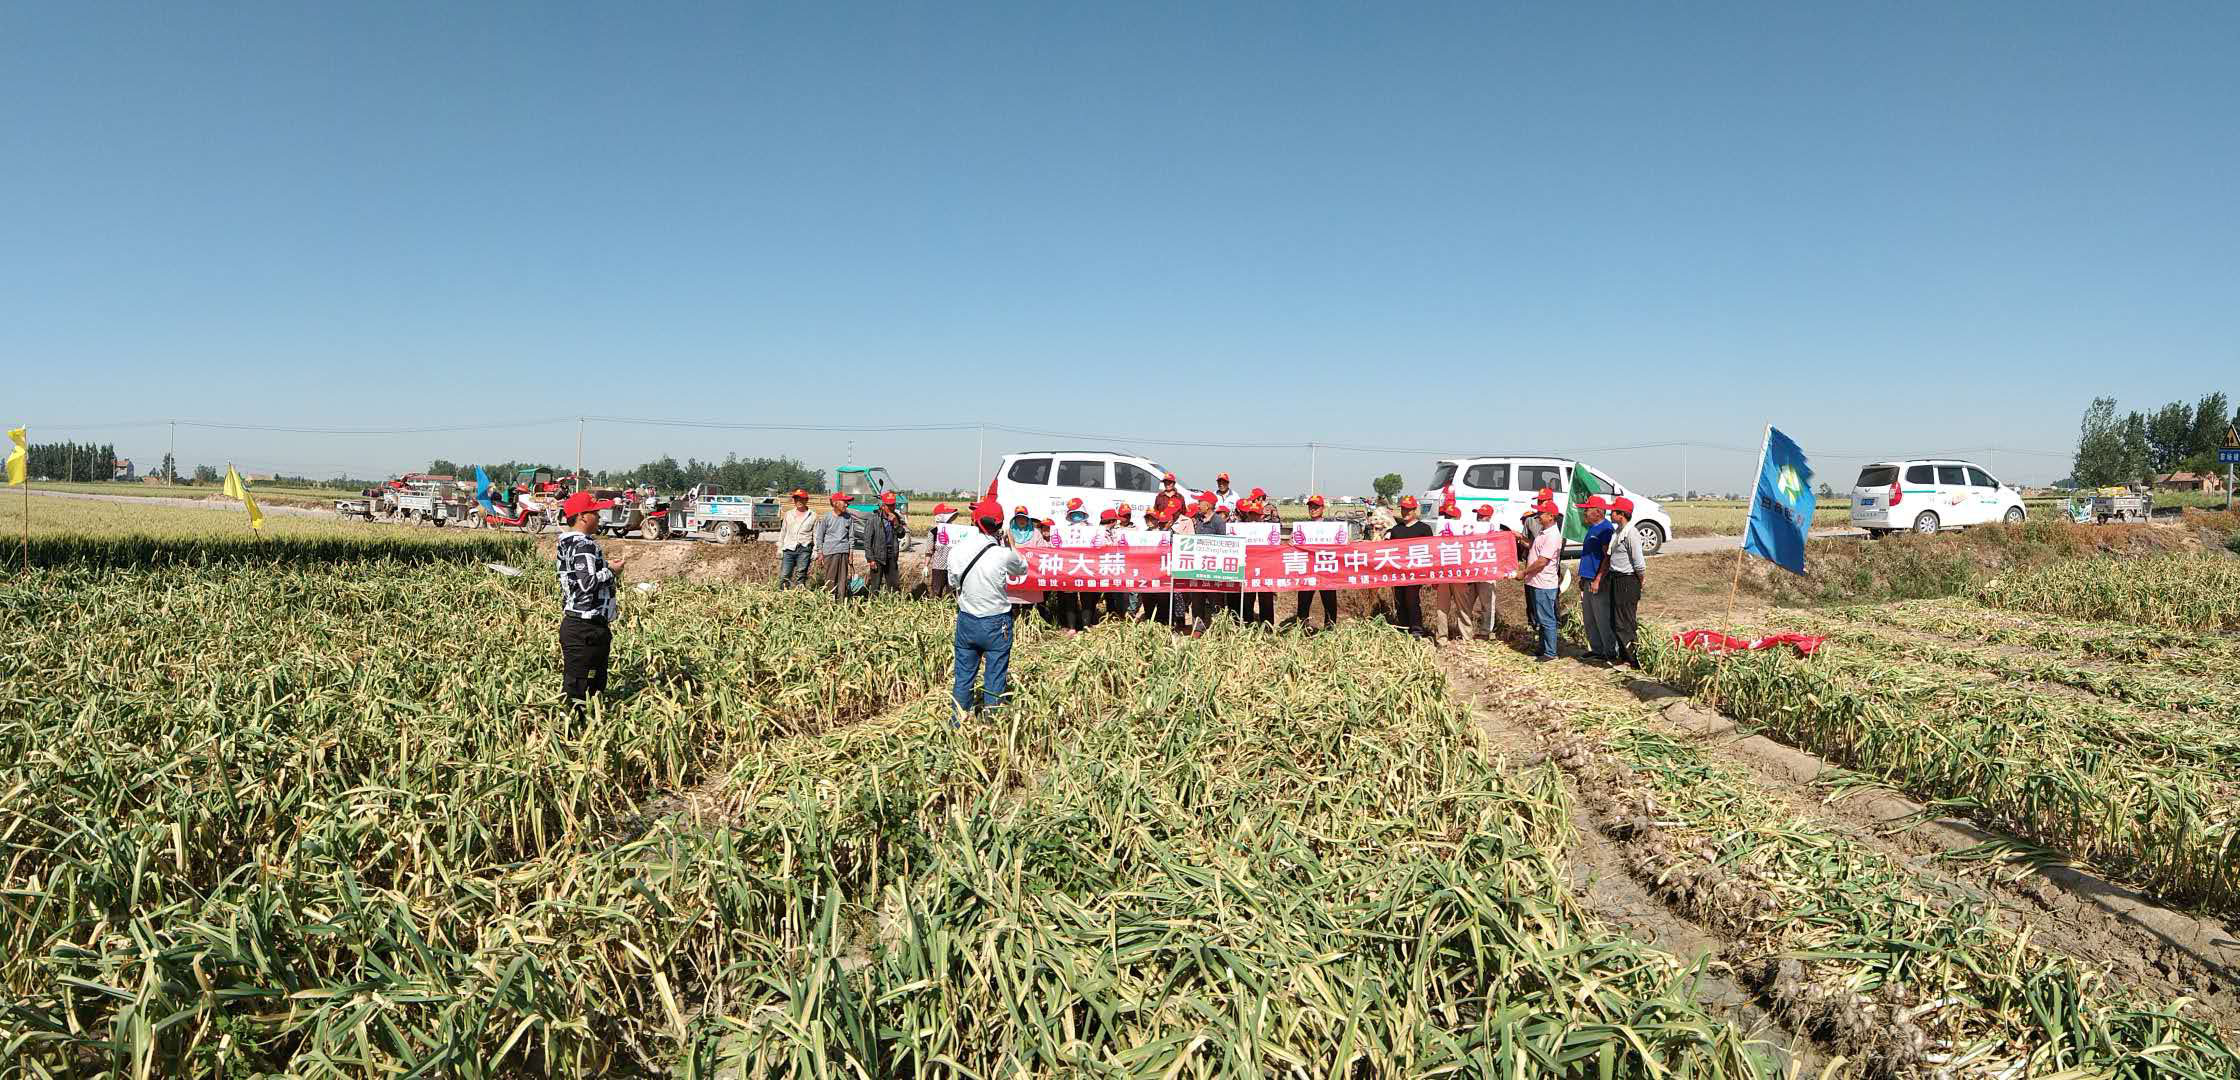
x,y
167,500
1698,545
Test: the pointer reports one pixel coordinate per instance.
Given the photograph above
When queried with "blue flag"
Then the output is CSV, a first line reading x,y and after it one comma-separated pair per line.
x,y
482,490
1781,507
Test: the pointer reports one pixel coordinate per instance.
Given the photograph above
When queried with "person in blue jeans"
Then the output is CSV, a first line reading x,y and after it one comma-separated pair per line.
x,y
980,568
1543,578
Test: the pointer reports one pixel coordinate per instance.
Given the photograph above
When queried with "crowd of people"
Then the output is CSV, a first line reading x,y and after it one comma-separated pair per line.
x,y
974,560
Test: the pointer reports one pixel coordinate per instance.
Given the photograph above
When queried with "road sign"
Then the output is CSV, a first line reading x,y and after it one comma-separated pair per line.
x,y
2230,453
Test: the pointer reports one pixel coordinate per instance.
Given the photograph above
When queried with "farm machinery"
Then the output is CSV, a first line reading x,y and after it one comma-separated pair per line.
x,y
420,498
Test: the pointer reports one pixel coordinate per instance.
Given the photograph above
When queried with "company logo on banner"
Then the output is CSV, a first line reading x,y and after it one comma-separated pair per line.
x,y
1207,558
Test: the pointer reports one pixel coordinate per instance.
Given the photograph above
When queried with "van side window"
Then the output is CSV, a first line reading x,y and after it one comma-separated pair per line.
x,y
1031,470
1979,478
1443,475
1487,476
1081,472
1952,475
1535,477
1128,477
1921,474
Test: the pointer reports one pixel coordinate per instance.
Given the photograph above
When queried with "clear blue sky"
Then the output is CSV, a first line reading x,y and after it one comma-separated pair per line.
x,y
1887,228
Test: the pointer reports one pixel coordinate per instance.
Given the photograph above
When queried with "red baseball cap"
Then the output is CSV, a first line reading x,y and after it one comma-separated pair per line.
x,y
1166,478
1485,510
1047,523
583,502
943,508
1020,509
839,497
1107,517
1595,502
988,510
1623,505
1547,494
1205,498
1223,476
1547,508
886,498
1259,494
1073,504
1450,510
1314,500
1407,502
800,493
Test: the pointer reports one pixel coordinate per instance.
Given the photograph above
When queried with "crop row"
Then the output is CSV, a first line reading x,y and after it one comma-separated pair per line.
x,y
2145,649
2194,592
1909,974
2101,790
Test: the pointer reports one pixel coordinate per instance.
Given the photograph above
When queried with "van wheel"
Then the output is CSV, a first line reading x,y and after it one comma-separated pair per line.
x,y
1926,523
2014,515
1652,537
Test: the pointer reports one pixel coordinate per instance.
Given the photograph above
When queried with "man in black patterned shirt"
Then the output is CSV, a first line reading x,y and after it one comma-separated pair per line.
x,y
587,599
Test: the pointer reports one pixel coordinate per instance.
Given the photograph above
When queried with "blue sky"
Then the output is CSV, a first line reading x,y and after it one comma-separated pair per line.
x,y
1886,228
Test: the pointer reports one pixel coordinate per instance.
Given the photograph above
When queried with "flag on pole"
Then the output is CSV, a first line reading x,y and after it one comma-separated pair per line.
x,y
1781,507
17,457
482,490
237,488
1584,485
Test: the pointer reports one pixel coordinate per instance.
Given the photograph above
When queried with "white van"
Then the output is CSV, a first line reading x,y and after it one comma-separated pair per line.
x,y
1928,494
1045,480
1509,484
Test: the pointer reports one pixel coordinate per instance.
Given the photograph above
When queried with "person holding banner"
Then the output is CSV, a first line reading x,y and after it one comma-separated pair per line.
x,y
1478,595
981,565
1594,603
1543,577
1117,605
1621,582
1022,526
1156,606
937,567
1407,600
1209,522
1450,601
1315,532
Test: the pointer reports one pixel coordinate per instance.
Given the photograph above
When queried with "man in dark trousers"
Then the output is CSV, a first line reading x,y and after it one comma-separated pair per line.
x,y
1329,596
587,600
836,545
1622,572
883,536
1407,600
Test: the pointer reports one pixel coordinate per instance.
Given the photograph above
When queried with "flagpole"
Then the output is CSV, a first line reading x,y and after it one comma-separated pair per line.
x,y
1764,447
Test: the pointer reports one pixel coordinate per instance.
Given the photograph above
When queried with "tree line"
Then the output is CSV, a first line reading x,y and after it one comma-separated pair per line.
x,y
733,475
2143,445
70,461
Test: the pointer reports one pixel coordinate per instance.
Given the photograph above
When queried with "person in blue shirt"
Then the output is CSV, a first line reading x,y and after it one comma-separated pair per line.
x,y
1594,603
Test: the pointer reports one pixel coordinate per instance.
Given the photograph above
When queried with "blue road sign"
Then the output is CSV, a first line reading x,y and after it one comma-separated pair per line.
x,y
2229,457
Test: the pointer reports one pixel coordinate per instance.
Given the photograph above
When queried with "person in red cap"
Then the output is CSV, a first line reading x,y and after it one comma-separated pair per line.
x,y
1222,495
1407,600
797,541
1168,499
836,545
1594,604
1478,596
937,538
884,533
981,564
1315,509
1543,577
587,600
1621,582
1450,600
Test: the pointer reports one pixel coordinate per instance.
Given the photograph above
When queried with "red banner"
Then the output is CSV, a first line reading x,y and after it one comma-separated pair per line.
x,y
1712,641
1379,564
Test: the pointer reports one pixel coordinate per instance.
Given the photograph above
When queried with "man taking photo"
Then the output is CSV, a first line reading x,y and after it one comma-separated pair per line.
x,y
587,600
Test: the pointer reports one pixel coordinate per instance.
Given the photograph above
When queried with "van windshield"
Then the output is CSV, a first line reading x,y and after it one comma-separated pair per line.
x,y
1878,476
1443,475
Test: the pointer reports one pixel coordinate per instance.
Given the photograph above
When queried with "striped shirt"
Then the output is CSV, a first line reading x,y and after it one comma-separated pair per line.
x,y
587,585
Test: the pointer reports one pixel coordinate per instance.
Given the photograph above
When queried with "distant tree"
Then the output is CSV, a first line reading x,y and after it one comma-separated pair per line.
x,y
442,467
1826,492
2138,453
169,470
2211,416
2169,436
2100,453
206,474
1388,485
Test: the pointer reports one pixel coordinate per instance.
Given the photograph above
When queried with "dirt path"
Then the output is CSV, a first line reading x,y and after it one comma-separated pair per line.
x,y
1710,545
2133,956
210,502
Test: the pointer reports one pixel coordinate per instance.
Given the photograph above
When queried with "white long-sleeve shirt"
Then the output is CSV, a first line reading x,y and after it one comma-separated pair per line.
x,y
984,591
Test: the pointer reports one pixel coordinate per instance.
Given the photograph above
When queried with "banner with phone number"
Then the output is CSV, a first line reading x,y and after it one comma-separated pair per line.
x,y
1378,564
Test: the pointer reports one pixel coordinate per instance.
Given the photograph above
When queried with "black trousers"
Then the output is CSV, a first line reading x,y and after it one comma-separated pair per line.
x,y
584,644
1329,606
1625,608
1407,608
879,576
1260,607
1155,608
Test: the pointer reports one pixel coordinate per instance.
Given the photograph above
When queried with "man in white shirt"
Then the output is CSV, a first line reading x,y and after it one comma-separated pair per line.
x,y
1543,578
796,541
981,564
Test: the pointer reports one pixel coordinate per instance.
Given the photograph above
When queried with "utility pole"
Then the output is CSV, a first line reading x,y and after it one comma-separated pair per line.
x,y
1314,462
980,456
1684,492
579,453
171,473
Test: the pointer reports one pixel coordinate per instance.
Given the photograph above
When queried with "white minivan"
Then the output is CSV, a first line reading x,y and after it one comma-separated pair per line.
x,y
1509,484
1926,495
1043,481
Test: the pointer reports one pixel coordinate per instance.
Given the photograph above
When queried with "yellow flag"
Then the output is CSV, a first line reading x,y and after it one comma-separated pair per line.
x,y
16,457
237,488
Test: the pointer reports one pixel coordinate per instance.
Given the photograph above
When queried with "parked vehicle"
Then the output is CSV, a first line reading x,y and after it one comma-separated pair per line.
x,y
863,484
1926,495
2122,505
1045,480
728,519
424,498
1508,484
